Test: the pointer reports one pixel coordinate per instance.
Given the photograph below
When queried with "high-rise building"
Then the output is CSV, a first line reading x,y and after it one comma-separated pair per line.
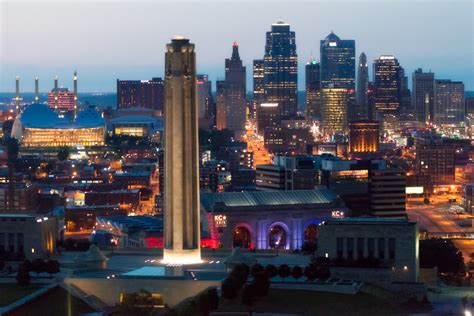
x,y
268,116
281,68
362,86
258,86
338,69
422,95
181,190
387,189
449,107
436,161
313,89
407,112
334,110
141,93
387,87
231,101
363,137
337,62
205,101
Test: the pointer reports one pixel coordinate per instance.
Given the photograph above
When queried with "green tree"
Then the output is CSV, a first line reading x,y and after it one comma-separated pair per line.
x,y
52,267
296,272
63,153
230,287
38,266
441,253
284,271
271,271
256,268
23,276
248,296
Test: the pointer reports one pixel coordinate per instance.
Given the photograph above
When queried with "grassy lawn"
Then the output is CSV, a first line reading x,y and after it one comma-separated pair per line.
x,y
319,303
12,292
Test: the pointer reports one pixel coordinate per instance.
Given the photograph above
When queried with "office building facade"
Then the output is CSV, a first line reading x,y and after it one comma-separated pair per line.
x,y
334,110
258,86
312,90
449,107
281,68
387,87
231,100
422,97
141,93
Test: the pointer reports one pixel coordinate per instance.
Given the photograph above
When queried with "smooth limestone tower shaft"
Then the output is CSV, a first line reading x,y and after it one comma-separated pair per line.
x,y
181,189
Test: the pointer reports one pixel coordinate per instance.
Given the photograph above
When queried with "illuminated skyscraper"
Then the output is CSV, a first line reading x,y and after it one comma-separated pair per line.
x,y
337,62
362,85
313,89
281,69
334,110
258,86
181,190
449,107
422,94
231,101
387,86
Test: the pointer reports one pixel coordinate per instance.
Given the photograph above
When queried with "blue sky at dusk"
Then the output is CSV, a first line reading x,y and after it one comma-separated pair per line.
x,y
106,40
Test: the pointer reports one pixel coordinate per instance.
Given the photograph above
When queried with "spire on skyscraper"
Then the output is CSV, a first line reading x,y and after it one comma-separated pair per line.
x,y
235,51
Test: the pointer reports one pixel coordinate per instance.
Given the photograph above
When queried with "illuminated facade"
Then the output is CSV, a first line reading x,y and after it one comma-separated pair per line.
x,y
181,190
313,90
363,137
61,99
422,94
334,110
387,86
268,116
258,86
337,62
39,126
449,105
281,69
269,220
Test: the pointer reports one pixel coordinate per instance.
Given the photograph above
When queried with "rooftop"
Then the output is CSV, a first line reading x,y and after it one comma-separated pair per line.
x,y
256,198
368,221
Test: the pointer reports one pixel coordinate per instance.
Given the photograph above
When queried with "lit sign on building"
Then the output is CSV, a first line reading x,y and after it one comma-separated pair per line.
x,y
332,44
337,214
220,220
414,190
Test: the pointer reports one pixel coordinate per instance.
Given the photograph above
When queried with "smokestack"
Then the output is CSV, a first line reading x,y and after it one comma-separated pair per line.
x,y
75,94
56,92
17,96
36,90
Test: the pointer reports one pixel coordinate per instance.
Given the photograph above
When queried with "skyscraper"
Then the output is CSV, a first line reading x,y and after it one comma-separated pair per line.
x,y
313,89
422,94
334,110
387,87
258,86
141,93
407,112
204,92
281,69
231,105
449,107
337,62
181,190
362,85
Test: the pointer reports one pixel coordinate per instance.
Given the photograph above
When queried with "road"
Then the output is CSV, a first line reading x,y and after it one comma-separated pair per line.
x,y
433,218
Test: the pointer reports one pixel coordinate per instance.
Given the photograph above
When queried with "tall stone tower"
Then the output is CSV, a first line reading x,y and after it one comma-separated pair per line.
x,y
181,190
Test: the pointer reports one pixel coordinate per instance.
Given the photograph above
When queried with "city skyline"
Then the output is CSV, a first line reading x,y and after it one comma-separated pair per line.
x,y
103,57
